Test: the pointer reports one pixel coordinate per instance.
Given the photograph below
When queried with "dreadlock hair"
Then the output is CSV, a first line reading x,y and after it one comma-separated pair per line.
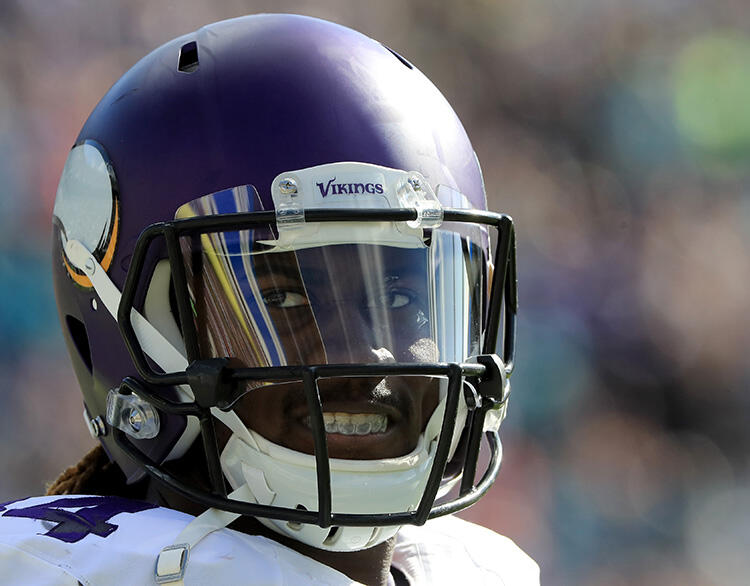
x,y
94,474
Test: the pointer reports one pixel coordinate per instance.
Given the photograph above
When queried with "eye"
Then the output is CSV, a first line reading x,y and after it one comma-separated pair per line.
x,y
395,299
284,299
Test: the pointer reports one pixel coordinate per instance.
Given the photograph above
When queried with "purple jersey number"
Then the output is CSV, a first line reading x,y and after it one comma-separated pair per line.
x,y
89,515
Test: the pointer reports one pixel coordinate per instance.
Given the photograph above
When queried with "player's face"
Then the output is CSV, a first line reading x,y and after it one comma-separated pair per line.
x,y
347,304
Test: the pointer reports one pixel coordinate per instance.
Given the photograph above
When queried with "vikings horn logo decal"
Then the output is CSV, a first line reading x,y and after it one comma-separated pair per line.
x,y
87,206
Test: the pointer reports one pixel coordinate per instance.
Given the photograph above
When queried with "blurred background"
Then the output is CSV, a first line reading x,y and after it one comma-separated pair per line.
x,y
618,136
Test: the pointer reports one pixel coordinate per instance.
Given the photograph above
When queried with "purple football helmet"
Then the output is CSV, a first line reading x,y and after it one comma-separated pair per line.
x,y
271,245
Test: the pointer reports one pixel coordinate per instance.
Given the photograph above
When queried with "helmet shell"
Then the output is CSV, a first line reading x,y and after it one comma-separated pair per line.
x,y
234,103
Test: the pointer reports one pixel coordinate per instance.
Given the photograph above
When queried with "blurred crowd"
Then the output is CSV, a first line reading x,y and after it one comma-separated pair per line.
x,y
617,133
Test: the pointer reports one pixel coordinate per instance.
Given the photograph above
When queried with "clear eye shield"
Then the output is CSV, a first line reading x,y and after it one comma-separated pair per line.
x,y
338,292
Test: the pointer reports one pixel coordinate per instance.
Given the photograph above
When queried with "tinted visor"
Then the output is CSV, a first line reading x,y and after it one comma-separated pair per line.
x,y
419,299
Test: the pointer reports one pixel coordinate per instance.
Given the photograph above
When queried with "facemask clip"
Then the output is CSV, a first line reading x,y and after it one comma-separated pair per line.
x,y
132,415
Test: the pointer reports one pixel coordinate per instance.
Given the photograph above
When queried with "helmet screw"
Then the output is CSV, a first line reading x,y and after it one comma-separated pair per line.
x,y
288,186
415,183
96,427
89,266
135,419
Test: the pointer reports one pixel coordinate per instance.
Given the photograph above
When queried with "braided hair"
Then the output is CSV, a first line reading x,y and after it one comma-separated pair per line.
x,y
94,474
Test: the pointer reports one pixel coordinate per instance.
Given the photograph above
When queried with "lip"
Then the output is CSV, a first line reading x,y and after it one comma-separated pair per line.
x,y
279,414
387,444
355,423
394,415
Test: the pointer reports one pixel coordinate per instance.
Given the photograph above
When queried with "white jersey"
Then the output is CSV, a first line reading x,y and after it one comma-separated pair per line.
x,y
96,540
450,551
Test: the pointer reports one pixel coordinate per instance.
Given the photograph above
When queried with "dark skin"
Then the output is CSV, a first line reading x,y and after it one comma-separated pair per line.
x,y
368,317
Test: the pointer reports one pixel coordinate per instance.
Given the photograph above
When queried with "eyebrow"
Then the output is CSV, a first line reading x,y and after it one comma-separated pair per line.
x,y
396,266
286,269
289,268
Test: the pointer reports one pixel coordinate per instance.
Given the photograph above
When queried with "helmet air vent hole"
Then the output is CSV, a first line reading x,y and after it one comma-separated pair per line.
x,y
188,57
331,537
80,339
374,538
294,526
400,58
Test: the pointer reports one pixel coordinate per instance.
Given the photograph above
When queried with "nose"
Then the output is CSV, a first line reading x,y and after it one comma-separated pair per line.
x,y
349,338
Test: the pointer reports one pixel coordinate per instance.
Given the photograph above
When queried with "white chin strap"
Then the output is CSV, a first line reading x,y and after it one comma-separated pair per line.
x,y
281,477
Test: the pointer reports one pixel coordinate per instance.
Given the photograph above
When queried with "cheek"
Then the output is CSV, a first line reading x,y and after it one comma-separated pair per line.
x,y
422,396
430,400
422,350
410,331
262,410
299,336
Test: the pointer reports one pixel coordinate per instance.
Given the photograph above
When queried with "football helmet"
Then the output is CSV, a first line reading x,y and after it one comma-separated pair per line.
x,y
271,244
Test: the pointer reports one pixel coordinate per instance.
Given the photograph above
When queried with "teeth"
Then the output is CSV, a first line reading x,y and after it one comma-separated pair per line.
x,y
353,423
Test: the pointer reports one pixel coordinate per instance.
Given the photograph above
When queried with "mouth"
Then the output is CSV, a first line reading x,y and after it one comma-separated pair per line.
x,y
367,418
342,423
358,430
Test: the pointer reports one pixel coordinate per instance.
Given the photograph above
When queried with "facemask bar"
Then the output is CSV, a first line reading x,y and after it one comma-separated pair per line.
x,y
218,389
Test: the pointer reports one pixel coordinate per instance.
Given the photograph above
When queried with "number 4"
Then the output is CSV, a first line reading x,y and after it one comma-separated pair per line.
x,y
90,515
